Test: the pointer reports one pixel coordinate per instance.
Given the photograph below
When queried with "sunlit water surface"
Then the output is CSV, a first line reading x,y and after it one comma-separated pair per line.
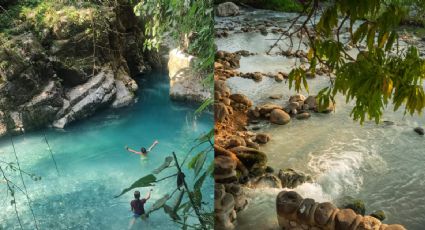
x,y
94,166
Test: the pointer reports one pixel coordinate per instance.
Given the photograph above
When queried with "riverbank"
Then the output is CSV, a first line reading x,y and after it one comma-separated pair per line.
x,y
321,146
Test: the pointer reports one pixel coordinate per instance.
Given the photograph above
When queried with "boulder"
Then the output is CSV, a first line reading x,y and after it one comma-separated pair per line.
x,y
235,141
291,178
279,117
297,98
369,223
242,99
419,130
268,108
84,100
311,102
185,82
356,205
287,203
268,181
323,213
379,214
262,138
344,219
303,116
227,9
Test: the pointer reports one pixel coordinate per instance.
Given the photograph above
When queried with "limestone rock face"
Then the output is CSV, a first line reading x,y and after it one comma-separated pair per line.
x,y
227,9
84,100
185,82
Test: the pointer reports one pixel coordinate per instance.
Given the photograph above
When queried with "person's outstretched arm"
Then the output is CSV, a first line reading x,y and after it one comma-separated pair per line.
x,y
148,196
132,150
153,145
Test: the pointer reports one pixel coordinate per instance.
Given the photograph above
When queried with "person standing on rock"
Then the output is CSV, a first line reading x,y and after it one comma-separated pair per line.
x,y
138,207
143,150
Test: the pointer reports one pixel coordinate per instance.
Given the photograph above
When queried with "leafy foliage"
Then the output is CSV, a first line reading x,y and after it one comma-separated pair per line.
x,y
381,74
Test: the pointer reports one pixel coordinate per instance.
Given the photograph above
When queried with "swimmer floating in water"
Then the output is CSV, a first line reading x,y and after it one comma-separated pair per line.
x,y
143,150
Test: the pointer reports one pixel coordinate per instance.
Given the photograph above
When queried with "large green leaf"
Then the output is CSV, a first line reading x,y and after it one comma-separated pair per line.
x,y
164,165
145,181
159,203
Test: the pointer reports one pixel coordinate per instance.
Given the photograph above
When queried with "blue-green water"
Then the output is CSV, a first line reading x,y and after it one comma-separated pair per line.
x,y
94,166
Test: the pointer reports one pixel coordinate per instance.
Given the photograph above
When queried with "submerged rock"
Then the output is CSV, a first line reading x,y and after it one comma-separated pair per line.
x,y
262,138
420,131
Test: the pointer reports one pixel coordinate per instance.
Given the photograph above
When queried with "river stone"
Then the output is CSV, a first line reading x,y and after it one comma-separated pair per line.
x,y
392,227
291,178
311,102
323,213
356,205
224,165
306,210
240,98
287,203
303,116
344,219
419,130
379,214
268,181
369,223
254,160
262,138
280,117
227,9
236,141
268,108
297,98
279,77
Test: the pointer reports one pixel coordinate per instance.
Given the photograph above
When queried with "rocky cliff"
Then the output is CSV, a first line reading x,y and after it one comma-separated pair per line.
x,y
61,63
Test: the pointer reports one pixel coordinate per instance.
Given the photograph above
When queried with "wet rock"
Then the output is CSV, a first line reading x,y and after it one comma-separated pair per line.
x,y
356,205
324,212
252,144
262,138
268,108
379,214
369,223
242,99
221,112
254,160
279,117
303,116
268,181
291,178
305,212
287,203
279,77
227,9
224,169
297,98
84,100
244,53
185,85
344,219
236,141
263,31
311,102
419,130
392,227
275,96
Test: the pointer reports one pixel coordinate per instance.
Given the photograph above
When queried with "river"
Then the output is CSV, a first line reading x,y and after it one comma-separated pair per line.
x,y
381,164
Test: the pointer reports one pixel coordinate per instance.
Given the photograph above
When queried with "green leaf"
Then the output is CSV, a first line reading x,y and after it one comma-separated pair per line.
x,y
159,203
145,181
164,165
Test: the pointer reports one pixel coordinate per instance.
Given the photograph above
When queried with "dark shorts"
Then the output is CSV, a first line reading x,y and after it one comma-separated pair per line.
x,y
135,215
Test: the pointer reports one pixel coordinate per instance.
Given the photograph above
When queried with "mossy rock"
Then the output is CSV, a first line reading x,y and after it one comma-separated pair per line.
x,y
357,205
379,214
